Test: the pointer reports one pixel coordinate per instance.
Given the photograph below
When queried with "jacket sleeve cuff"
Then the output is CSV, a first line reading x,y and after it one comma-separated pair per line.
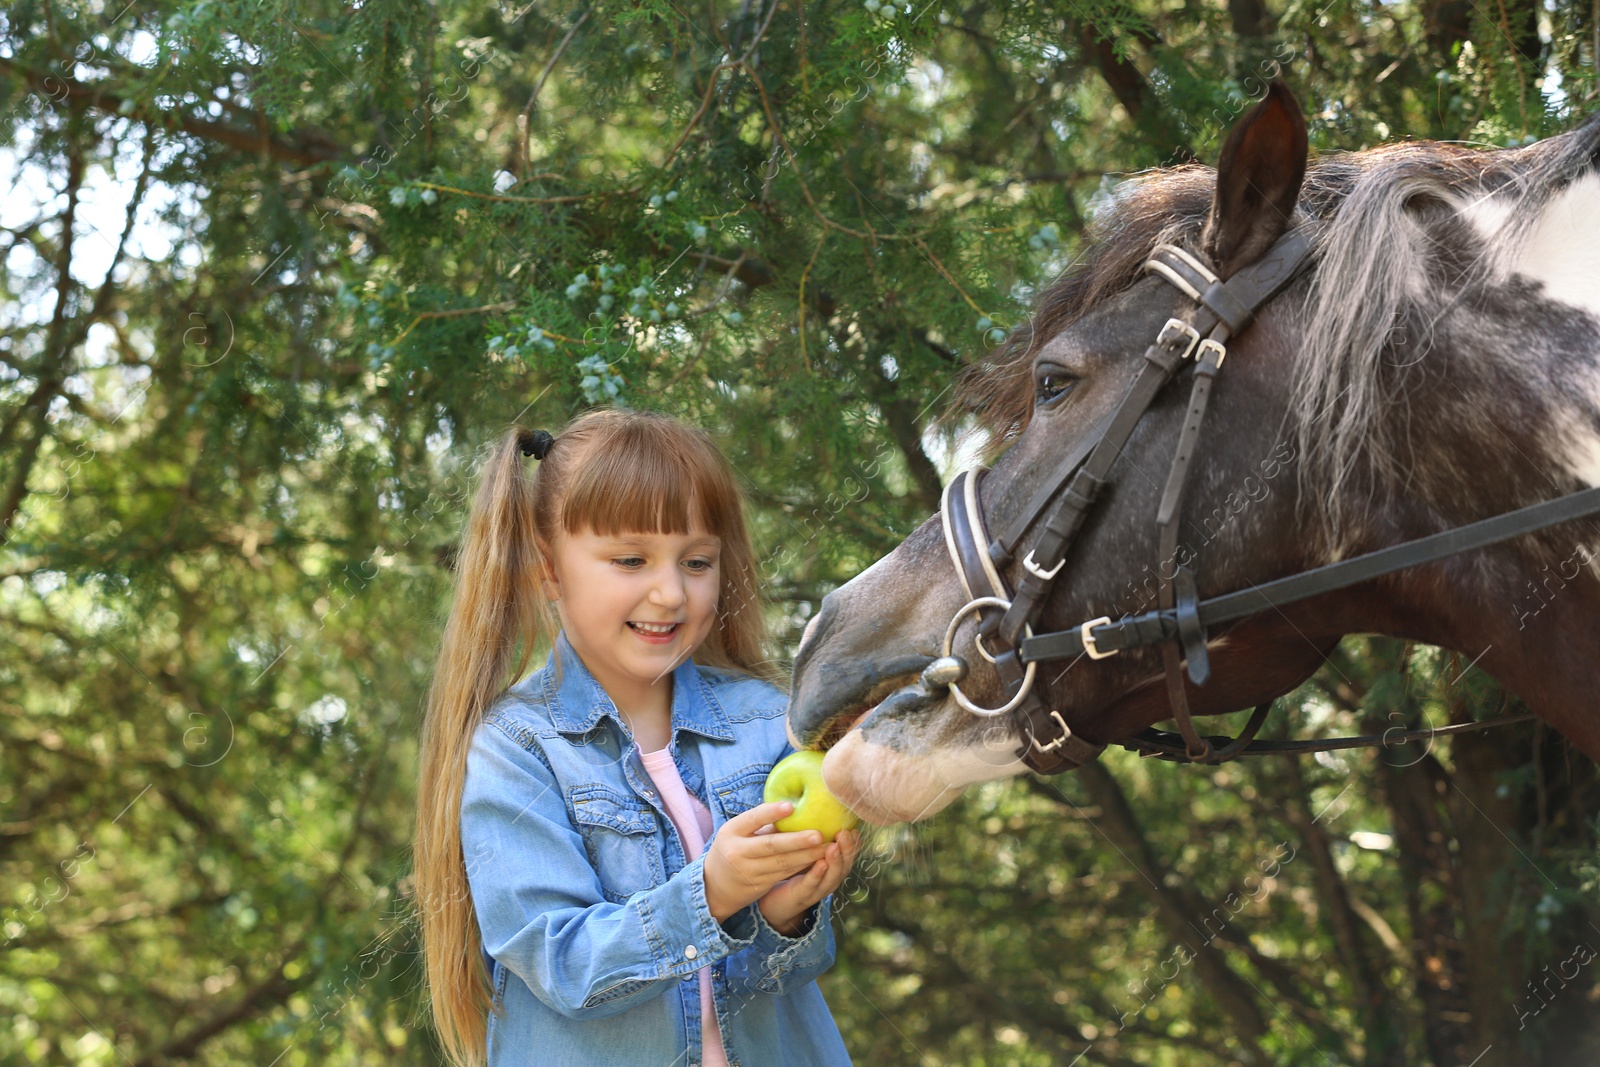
x,y
678,924
790,961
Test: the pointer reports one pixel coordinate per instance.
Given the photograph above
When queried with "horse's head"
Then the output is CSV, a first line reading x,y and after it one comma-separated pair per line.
x,y
900,750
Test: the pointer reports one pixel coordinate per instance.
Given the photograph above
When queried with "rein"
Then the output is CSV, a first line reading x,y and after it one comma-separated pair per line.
x,y
1004,636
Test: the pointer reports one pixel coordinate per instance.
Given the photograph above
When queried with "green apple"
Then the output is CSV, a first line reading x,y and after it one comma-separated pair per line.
x,y
797,778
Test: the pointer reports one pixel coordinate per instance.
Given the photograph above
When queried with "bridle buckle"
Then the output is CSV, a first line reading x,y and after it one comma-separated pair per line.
x,y
1066,732
1089,644
1176,328
1039,572
1210,344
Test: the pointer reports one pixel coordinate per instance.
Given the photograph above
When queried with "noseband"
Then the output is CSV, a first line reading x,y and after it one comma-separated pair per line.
x,y
1004,635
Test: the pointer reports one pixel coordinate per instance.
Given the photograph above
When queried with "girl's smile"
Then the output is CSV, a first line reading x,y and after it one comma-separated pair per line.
x,y
655,632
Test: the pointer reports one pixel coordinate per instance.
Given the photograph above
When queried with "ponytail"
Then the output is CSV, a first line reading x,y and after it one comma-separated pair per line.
x,y
495,619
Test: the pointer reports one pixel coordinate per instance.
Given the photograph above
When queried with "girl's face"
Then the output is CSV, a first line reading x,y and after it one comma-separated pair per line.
x,y
635,606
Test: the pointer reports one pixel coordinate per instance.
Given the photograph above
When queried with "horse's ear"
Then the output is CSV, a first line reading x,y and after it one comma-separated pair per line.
x,y
1258,181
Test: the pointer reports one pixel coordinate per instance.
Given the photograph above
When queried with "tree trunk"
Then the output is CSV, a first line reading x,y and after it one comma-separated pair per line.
x,y
1232,994
1384,1039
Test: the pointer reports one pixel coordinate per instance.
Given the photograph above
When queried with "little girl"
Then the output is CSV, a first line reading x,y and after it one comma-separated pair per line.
x,y
598,879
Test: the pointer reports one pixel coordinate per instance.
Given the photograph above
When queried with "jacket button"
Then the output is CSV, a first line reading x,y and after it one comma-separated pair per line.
x,y
690,953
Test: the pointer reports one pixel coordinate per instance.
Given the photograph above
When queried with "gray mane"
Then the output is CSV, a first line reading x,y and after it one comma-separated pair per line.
x,y
1376,294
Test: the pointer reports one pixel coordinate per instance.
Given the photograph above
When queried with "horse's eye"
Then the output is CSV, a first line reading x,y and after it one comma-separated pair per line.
x,y
1053,384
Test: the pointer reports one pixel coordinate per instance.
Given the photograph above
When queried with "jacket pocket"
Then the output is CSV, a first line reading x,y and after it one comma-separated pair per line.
x,y
740,791
620,833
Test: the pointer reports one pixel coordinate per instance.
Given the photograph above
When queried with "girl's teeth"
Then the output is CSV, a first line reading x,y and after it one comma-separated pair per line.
x,y
655,628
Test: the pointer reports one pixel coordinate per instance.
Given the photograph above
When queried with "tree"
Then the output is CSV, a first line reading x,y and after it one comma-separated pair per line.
x,y
275,274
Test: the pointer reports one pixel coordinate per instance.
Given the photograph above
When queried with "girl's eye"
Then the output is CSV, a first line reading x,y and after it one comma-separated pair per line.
x,y
1053,383
700,565
628,561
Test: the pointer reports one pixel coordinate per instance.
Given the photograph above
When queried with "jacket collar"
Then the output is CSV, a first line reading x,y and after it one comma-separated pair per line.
x,y
577,701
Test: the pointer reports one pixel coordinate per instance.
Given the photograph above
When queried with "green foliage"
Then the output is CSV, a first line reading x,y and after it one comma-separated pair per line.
x,y
366,238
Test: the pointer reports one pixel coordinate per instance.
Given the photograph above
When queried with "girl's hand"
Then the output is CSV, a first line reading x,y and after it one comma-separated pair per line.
x,y
787,901
741,865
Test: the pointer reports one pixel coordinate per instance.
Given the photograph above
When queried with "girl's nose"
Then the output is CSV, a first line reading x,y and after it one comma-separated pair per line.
x,y
668,590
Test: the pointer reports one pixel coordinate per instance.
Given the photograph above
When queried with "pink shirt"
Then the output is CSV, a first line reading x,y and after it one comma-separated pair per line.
x,y
693,821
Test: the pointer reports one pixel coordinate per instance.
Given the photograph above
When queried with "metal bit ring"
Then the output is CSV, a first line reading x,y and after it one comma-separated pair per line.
x,y
949,641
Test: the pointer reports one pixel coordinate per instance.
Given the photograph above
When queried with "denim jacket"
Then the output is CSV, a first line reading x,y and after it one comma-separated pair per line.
x,y
594,927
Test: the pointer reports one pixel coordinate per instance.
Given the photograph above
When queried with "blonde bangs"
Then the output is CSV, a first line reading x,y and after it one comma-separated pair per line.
x,y
648,477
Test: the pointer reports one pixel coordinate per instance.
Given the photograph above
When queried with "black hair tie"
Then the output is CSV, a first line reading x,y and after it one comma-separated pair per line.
x,y
535,443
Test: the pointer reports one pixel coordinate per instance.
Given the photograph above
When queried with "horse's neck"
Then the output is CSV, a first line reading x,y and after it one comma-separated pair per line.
x,y
1537,630
1524,358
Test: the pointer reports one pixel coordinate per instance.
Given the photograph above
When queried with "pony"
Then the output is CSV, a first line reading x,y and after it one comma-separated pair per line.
x,y
1436,364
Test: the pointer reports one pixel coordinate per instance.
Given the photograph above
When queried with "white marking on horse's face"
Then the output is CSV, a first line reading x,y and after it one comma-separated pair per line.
x,y
884,785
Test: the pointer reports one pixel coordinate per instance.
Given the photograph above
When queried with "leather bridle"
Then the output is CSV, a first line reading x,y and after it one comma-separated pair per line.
x,y
1221,310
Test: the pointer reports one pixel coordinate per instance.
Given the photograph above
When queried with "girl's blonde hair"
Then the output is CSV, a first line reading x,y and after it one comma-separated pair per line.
x,y
610,472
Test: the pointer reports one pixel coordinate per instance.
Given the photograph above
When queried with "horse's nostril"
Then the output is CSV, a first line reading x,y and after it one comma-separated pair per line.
x,y
811,628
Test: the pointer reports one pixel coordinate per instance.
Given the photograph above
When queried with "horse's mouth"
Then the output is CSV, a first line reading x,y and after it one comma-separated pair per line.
x,y
834,729
837,725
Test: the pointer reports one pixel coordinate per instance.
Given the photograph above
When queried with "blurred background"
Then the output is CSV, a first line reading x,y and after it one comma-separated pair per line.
x,y
276,273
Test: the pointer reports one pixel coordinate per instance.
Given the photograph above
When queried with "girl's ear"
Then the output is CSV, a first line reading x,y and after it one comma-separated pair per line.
x,y
549,582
